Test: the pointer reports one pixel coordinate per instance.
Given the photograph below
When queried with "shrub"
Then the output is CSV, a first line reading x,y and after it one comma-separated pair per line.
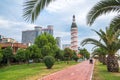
x,y
75,57
1,56
49,61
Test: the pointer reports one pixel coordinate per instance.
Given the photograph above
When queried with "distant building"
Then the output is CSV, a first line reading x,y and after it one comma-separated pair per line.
x,y
66,46
8,40
1,37
58,39
28,36
49,29
15,46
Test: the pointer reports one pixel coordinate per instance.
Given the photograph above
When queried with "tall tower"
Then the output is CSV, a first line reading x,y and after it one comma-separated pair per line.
x,y
74,35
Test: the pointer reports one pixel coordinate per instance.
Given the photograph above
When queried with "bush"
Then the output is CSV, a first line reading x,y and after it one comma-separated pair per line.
x,y
49,61
1,56
75,57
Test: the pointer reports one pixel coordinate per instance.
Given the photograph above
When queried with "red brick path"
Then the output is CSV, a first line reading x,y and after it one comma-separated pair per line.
x,y
81,71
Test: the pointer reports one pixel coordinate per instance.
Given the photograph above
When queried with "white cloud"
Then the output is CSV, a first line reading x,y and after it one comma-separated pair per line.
x,y
61,34
69,7
13,29
63,5
59,14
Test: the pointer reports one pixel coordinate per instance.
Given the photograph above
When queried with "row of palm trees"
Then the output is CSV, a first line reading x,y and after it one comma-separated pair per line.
x,y
108,44
109,39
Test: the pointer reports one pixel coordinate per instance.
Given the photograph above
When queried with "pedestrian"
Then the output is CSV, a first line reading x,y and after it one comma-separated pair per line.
x,y
91,61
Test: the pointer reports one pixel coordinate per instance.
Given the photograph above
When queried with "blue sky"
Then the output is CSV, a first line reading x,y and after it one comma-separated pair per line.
x,y
58,13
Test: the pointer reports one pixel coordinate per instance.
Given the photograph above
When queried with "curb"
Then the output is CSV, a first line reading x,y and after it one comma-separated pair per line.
x,y
91,76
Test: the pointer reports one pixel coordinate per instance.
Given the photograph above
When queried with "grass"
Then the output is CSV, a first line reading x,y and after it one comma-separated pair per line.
x,y
31,71
101,73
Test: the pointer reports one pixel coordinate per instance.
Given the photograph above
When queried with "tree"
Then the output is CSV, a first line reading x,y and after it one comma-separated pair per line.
x,y
32,8
108,41
74,56
59,54
34,52
104,7
20,55
101,53
47,44
84,53
1,55
68,53
27,55
8,54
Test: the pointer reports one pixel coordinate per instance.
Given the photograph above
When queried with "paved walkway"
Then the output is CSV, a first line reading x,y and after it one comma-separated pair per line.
x,y
81,71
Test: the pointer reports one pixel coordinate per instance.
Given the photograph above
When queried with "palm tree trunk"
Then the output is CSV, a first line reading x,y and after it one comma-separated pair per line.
x,y
104,60
101,58
112,63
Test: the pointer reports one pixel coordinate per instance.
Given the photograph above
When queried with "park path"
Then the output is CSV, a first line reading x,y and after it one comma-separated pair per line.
x,y
81,71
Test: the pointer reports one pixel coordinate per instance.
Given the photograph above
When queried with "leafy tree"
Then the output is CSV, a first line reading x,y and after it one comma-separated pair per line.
x,y
101,53
68,53
8,54
75,57
32,8
1,55
27,55
41,40
109,42
20,55
34,52
47,44
104,7
45,50
59,54
84,53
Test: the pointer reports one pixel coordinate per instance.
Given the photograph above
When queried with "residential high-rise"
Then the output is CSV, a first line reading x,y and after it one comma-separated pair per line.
x,y
28,36
74,35
58,39
1,37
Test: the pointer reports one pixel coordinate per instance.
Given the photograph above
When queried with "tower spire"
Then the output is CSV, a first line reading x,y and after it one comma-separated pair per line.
x,y
73,18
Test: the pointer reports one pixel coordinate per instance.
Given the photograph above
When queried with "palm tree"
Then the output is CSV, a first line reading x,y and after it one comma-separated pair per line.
x,y
32,8
104,7
101,53
109,42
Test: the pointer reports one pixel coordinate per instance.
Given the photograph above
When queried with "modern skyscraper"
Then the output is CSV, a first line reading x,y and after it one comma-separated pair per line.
x,y
28,37
58,39
74,35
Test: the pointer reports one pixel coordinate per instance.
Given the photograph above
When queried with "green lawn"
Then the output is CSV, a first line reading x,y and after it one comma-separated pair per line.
x,y
101,73
31,71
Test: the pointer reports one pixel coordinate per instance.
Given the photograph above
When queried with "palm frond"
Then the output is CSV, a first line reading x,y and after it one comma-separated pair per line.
x,y
100,51
115,23
92,41
32,9
102,7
